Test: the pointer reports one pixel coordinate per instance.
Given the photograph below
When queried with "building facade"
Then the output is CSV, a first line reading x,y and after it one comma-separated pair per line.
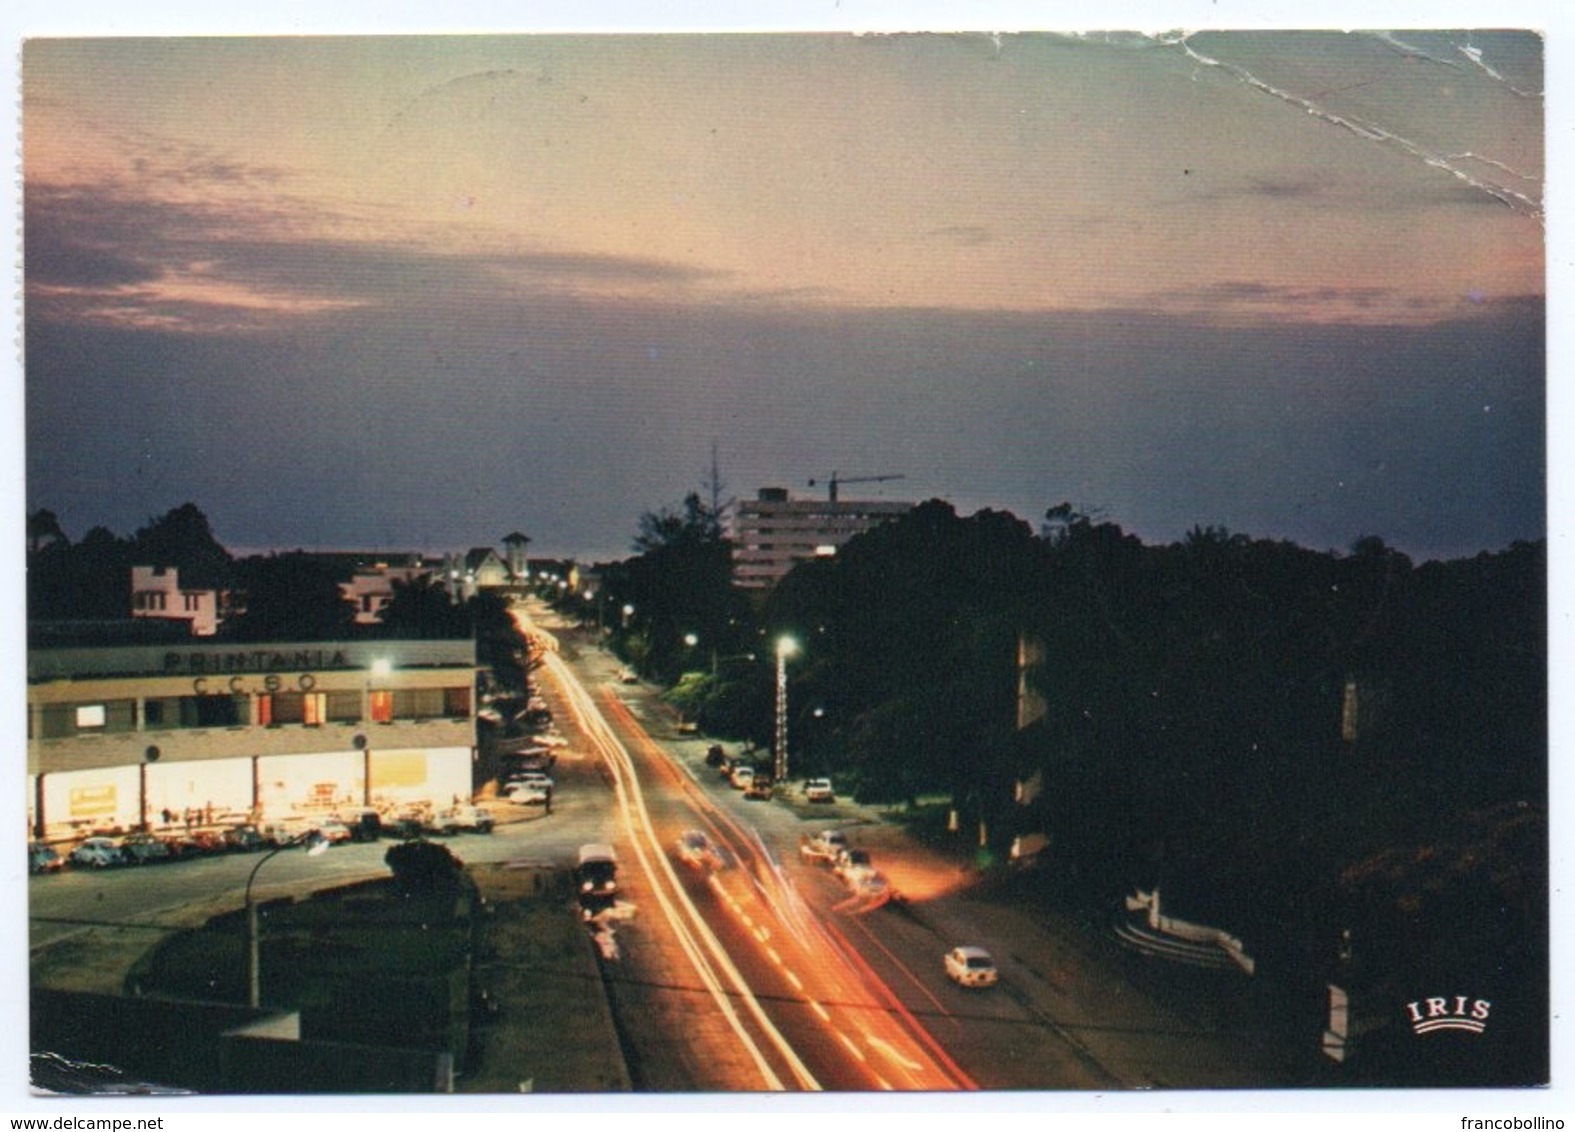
x,y
371,588
773,532
122,737
156,592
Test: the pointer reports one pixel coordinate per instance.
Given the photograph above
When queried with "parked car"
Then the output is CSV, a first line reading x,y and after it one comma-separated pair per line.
x,y
285,831
472,819
695,848
43,858
365,824
741,777
819,790
198,843
243,838
715,755
970,967
441,823
628,676
334,832
524,794
98,853
144,849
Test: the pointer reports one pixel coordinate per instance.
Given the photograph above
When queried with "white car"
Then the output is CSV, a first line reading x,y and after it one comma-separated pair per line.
x,y
741,777
826,846
971,967
853,866
98,853
819,790
525,794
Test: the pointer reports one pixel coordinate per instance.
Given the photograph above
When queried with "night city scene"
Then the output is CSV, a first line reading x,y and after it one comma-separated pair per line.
x,y
705,564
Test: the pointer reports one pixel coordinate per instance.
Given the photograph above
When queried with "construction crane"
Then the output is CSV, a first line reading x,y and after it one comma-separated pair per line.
x,y
835,480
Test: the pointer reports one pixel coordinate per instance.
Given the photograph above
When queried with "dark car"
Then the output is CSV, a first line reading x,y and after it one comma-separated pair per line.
x,y
145,849
42,858
243,838
760,788
715,755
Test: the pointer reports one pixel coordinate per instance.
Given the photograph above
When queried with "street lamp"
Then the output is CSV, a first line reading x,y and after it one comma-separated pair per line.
x,y
786,647
315,844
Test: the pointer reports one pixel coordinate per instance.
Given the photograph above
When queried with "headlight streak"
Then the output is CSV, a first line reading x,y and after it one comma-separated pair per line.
x,y
637,824
854,987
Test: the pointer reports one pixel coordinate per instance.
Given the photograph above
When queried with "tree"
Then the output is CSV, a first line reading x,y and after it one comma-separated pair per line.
x,y
422,608
43,529
291,597
182,538
680,586
424,868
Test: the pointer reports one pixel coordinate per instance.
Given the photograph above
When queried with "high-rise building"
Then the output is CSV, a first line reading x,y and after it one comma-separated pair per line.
x,y
772,533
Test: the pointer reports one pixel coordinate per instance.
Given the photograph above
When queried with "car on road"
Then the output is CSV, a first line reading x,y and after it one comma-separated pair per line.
x,y
819,790
628,676
824,846
43,858
853,866
715,755
741,777
760,788
596,871
695,848
524,793
98,853
970,967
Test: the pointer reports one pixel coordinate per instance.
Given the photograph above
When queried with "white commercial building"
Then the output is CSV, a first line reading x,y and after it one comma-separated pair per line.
x,y
130,736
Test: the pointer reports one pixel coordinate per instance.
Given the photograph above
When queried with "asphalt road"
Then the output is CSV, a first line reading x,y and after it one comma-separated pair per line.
x,y
1066,1014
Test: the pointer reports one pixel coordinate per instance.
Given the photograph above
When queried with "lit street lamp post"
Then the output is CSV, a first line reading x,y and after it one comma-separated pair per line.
x,y
786,647
315,843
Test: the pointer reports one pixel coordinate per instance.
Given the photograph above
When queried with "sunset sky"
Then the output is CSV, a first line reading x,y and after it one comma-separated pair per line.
x,y
419,292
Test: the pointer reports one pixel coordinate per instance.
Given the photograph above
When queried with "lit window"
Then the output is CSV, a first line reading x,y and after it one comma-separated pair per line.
x,y
314,709
382,707
91,717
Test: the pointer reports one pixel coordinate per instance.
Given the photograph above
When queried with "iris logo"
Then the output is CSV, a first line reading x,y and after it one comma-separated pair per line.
x,y
1461,1012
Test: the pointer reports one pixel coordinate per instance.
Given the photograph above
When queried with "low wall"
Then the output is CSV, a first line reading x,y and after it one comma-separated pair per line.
x,y
205,1047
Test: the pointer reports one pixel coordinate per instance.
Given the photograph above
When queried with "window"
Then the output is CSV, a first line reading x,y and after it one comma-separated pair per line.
x,y
418,703
192,602
60,721
282,707
212,711
456,703
382,707
344,707
314,708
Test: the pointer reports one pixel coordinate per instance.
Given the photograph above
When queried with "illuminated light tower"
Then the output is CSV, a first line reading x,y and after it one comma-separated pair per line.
x,y
786,647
